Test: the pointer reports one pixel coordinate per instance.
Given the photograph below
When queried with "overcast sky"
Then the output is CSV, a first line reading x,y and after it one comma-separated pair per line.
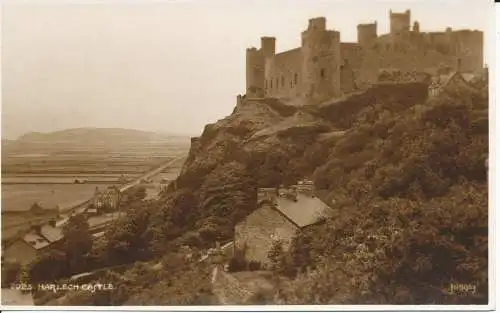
x,y
166,66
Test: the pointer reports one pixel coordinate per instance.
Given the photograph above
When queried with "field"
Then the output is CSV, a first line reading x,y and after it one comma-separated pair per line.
x,y
44,172
20,197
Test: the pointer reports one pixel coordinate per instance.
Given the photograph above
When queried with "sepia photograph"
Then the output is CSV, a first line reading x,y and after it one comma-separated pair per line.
x,y
221,153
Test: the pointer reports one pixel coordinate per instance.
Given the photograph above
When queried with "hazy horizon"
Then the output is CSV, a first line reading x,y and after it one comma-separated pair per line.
x,y
169,67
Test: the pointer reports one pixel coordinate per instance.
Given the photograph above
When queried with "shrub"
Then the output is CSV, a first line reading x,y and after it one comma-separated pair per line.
x,y
10,273
237,264
254,266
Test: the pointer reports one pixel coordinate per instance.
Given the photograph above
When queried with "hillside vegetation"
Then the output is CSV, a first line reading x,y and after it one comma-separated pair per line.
x,y
406,177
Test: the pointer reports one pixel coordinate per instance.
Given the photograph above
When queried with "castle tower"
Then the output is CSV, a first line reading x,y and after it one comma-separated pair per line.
x,y
254,72
367,34
268,46
469,47
416,27
400,22
321,61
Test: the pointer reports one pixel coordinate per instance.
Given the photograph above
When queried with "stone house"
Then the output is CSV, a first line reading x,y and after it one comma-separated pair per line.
x,y
25,249
109,198
449,83
277,218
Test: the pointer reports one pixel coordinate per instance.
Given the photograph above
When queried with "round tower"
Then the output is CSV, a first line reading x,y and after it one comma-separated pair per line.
x,y
321,61
254,73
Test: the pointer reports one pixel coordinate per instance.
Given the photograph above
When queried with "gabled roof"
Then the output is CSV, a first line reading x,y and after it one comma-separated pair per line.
x,y
468,76
52,234
35,241
445,79
303,212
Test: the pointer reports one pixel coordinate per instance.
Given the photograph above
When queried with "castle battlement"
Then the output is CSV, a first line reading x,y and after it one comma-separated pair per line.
x,y
323,67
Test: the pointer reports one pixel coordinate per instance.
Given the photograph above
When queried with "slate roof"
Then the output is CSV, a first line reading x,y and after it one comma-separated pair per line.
x,y
52,234
305,211
36,241
444,79
101,220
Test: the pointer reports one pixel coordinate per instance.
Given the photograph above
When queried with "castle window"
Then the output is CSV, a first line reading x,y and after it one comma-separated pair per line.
x,y
282,81
322,73
296,79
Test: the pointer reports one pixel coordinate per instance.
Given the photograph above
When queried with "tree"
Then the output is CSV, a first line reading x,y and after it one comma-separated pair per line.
x,y
280,263
48,267
77,241
10,273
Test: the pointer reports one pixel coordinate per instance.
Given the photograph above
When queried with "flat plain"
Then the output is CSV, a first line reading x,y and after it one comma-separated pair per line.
x,y
54,172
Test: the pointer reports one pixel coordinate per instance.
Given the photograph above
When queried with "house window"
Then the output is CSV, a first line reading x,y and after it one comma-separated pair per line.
x,y
282,81
322,73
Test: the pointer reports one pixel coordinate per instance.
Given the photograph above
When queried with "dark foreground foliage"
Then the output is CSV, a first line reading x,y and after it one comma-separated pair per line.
x,y
411,196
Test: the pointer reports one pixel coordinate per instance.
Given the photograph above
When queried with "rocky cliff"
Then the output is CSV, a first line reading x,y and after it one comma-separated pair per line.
x,y
277,143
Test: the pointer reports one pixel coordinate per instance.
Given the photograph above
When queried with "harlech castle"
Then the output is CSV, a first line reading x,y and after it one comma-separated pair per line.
x,y
323,67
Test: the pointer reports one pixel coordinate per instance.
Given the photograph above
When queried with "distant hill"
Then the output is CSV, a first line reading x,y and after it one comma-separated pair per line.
x,y
92,135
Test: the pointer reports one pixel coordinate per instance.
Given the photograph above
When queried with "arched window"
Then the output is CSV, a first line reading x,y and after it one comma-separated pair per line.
x,y
296,79
322,73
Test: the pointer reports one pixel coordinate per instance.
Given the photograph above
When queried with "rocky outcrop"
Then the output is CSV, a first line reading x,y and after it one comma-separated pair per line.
x,y
266,143
278,142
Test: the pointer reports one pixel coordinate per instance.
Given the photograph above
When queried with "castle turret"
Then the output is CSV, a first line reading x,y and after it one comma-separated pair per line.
x,y
367,34
321,61
469,47
416,27
255,72
268,46
400,22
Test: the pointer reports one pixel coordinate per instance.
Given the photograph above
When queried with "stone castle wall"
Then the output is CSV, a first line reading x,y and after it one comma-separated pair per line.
x,y
283,74
323,67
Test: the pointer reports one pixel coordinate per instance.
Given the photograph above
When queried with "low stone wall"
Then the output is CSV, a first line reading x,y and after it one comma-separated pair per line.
x,y
228,289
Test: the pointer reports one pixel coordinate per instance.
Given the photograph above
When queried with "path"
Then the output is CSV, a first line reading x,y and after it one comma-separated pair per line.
x,y
151,173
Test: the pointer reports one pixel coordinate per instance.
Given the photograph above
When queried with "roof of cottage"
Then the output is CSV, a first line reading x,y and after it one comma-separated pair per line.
x,y
305,211
52,234
36,241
